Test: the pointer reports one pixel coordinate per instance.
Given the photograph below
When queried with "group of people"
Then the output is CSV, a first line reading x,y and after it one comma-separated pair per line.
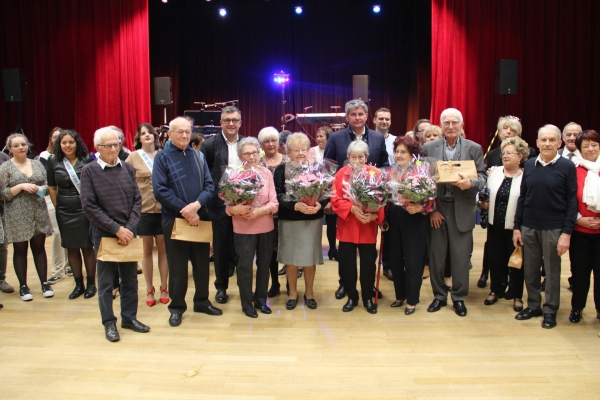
x,y
546,205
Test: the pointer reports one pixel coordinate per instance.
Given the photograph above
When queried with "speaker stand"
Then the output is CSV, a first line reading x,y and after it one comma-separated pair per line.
x,y
19,128
504,96
164,114
282,107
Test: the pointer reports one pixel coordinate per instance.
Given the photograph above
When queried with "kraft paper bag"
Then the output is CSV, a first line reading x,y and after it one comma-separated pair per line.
x,y
447,171
111,251
516,259
183,231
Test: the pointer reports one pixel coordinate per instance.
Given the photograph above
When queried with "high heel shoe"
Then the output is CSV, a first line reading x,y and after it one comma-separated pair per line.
x,y
152,302
163,300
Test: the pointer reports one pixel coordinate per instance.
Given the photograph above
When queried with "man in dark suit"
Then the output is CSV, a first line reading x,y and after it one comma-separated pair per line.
x,y
220,151
570,133
336,149
453,222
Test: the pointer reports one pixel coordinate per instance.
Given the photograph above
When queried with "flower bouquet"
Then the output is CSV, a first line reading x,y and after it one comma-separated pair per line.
x,y
412,184
240,185
367,188
309,183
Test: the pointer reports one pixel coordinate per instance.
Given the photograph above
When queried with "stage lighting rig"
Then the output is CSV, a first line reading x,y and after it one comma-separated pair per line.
x,y
376,8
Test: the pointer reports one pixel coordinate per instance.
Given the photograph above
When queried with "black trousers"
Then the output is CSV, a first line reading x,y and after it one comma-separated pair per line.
x,y
106,275
178,254
331,221
407,243
584,254
368,256
246,246
499,247
223,246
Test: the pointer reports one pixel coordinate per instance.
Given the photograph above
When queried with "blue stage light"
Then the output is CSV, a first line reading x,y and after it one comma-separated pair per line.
x,y
298,10
222,12
376,8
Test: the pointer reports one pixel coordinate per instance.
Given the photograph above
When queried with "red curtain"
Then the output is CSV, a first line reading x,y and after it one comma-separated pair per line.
x,y
558,48
87,65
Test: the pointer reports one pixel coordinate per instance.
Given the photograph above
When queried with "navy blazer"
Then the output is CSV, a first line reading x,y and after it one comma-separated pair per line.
x,y
337,147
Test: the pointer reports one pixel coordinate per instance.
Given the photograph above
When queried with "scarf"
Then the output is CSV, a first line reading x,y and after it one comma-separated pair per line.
x,y
591,186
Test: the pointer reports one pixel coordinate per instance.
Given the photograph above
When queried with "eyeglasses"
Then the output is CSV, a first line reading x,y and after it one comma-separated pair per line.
x,y
448,123
270,141
109,145
251,154
298,151
508,153
230,121
19,145
181,132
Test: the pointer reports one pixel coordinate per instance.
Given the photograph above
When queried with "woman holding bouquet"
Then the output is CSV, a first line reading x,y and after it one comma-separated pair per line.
x,y
408,220
253,232
300,227
356,229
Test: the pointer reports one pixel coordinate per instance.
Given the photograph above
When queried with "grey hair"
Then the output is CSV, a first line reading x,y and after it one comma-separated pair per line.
x,y
268,133
229,110
356,103
297,137
177,121
247,141
451,111
12,136
512,123
358,146
119,130
552,128
521,146
569,124
103,131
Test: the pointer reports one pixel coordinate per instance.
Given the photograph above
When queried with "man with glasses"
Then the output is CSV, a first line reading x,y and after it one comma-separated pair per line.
x,y
220,151
182,185
453,222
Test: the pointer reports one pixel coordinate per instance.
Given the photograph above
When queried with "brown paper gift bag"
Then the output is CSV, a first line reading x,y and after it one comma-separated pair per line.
x,y
447,171
111,251
516,259
183,231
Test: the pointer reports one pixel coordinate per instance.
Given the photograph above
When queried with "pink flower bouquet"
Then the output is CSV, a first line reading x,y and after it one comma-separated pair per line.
x,y
309,183
240,186
412,184
367,188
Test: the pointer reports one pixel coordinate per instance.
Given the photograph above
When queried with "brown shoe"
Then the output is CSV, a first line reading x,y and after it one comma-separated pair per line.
x,y
388,274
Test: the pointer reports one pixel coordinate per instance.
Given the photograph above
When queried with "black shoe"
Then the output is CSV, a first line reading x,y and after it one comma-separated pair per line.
x,y
310,303
543,286
388,274
489,302
349,306
250,312
291,304
281,271
516,307
408,311
509,295
208,309
79,289
175,320
575,316
528,313
299,273
211,258
549,321
397,303
460,309
379,294
135,326
91,290
340,293
370,307
274,291
110,330
333,255
263,309
221,296
436,304
483,278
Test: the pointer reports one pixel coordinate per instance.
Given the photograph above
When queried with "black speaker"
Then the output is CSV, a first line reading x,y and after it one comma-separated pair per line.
x,y
14,82
360,87
162,90
507,76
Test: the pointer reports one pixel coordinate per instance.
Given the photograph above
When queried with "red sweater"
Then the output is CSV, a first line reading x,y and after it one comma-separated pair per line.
x,y
350,229
581,206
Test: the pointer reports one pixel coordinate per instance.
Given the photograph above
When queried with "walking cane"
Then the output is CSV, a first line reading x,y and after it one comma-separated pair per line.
x,y
378,269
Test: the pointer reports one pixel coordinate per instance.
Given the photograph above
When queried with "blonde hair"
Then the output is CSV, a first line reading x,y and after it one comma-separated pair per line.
x,y
520,145
512,123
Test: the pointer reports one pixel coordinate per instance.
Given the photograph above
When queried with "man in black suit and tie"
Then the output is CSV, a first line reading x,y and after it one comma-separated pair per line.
x,y
336,149
570,133
453,222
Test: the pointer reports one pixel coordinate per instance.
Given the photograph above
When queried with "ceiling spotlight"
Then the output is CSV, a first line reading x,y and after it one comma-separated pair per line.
x,y
164,1
298,10
376,8
222,12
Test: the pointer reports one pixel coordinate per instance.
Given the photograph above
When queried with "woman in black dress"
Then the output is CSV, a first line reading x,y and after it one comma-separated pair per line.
x,y
64,174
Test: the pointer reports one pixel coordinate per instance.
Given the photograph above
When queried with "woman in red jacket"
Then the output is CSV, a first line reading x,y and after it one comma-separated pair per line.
x,y
356,229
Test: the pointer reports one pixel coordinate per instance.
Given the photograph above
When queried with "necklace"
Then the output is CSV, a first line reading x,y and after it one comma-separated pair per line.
x,y
272,159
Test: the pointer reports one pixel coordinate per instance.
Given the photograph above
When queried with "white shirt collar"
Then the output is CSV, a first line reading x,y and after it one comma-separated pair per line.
x,y
227,140
105,165
539,160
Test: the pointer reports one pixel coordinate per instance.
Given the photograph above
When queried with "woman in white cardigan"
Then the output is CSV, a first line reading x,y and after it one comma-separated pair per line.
x,y
504,183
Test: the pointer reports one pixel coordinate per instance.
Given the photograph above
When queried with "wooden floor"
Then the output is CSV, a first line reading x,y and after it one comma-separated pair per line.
x,y
55,349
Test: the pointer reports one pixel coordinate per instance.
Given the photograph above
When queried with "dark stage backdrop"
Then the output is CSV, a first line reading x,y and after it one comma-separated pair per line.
x,y
557,44
213,59
87,65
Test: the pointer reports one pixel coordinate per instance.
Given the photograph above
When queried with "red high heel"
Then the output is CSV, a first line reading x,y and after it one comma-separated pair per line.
x,y
163,300
152,302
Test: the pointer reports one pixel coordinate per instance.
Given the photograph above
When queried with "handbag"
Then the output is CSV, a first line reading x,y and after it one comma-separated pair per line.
x,y
182,230
111,251
516,258
447,171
